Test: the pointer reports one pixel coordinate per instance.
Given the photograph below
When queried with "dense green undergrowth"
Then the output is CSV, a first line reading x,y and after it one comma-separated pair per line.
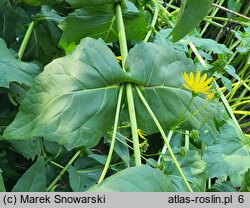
x,y
124,95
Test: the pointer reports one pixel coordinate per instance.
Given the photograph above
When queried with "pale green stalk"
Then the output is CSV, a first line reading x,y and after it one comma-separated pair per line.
x,y
186,139
164,149
112,145
130,98
215,10
25,40
63,171
152,25
164,138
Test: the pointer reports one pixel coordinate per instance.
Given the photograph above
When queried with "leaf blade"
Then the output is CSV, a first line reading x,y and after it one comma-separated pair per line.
x,y
34,179
228,153
79,112
158,70
191,14
136,179
103,25
14,70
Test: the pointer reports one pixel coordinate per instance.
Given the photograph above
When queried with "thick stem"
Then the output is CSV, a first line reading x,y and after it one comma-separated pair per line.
x,y
164,138
152,25
129,93
121,35
132,117
25,40
112,145
63,171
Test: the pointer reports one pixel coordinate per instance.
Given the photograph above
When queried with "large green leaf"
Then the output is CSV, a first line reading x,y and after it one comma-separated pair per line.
x,y
158,70
92,3
191,14
101,22
14,70
34,179
73,101
194,169
2,187
136,179
229,152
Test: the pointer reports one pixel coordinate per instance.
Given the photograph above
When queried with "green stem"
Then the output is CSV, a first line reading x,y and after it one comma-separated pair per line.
x,y
227,106
164,138
112,145
194,49
56,164
166,15
246,66
124,143
63,171
187,140
25,40
230,11
227,19
132,117
203,149
129,93
164,149
209,186
183,114
213,13
152,25
237,42
216,24
121,35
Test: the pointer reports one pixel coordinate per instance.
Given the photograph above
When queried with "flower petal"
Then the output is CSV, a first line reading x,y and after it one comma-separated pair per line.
x,y
203,79
187,87
197,78
206,87
191,79
186,78
208,81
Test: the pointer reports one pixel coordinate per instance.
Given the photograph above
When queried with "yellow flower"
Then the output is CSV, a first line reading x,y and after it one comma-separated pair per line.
x,y
197,84
141,134
210,96
119,58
